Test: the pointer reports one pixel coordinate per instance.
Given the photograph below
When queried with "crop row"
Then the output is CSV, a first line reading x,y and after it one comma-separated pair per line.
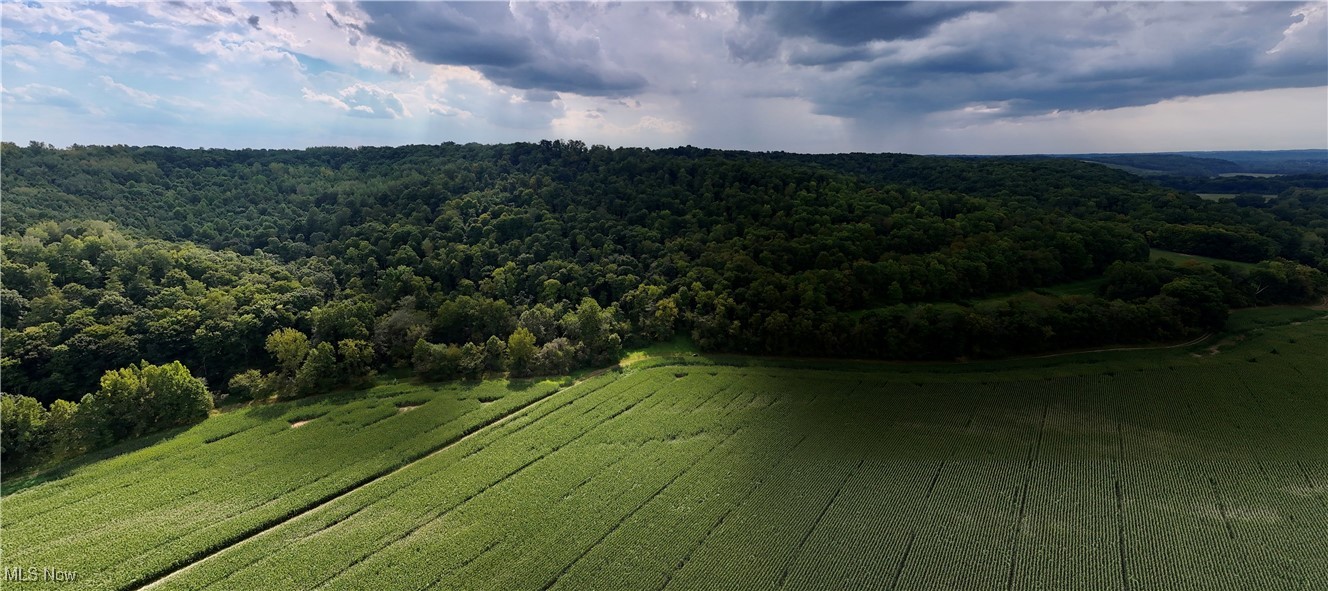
x,y
122,528
345,532
739,477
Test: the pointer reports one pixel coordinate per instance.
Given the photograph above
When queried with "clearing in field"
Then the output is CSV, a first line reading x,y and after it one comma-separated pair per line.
x,y
1182,258
1144,470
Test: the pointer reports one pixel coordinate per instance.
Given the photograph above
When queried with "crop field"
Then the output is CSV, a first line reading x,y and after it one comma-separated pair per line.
x,y
1167,470
118,520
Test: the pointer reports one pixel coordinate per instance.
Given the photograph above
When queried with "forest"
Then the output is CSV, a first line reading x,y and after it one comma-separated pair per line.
x,y
141,285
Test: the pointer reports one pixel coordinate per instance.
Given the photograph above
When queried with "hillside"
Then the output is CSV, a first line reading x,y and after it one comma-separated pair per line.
x,y
1272,161
1195,467
286,273
1213,164
433,295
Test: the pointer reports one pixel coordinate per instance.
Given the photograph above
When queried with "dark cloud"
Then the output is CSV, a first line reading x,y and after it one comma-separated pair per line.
x,y
472,34
253,22
879,60
828,55
534,52
854,23
967,61
845,26
280,6
540,96
342,25
354,34
748,44
1043,57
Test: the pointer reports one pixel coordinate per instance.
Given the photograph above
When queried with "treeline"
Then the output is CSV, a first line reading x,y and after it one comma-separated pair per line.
x,y
81,299
1138,302
1260,185
1175,164
131,402
369,203
459,261
1296,220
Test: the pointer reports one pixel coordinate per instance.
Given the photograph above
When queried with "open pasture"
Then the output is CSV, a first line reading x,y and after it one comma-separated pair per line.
x,y
1171,470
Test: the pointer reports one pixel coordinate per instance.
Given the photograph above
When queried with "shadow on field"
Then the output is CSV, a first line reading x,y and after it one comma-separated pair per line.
x,y
267,412
277,407
13,484
521,384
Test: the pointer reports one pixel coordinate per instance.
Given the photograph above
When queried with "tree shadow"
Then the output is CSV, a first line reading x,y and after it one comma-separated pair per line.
x,y
521,384
267,412
13,484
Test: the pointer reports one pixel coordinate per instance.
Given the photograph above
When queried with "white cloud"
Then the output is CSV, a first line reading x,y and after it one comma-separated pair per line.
x,y
442,110
362,100
55,53
138,97
333,32
619,126
1311,18
653,123
194,14
236,48
108,46
43,95
329,100
53,18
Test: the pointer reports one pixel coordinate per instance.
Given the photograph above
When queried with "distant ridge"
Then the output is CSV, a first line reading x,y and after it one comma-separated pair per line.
x,y
1214,163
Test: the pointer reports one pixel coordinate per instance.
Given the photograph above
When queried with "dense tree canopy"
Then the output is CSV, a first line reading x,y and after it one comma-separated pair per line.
x,y
129,402
280,271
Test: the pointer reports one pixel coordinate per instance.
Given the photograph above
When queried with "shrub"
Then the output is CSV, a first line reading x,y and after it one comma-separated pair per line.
x,y
250,385
141,399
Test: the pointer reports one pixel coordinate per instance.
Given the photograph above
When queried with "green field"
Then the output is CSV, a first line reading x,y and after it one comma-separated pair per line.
x,y
1169,469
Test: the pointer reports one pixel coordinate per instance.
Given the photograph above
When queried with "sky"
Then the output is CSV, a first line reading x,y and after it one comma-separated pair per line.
x,y
915,77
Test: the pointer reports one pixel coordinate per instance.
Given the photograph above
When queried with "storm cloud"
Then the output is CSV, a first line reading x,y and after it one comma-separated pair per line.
x,y
865,60
849,24
517,45
803,76
1021,59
